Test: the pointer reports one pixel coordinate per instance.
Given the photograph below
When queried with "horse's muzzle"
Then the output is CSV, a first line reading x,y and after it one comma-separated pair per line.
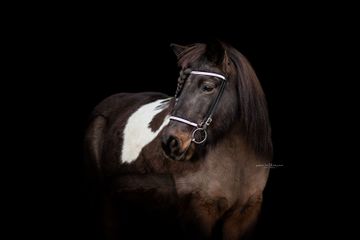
x,y
177,146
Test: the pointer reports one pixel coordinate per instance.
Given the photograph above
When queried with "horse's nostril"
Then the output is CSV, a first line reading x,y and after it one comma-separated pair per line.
x,y
171,145
173,142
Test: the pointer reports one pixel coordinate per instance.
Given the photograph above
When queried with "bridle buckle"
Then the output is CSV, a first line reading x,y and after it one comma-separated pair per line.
x,y
208,121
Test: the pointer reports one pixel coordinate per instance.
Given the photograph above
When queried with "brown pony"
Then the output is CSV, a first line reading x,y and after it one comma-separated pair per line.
x,y
189,166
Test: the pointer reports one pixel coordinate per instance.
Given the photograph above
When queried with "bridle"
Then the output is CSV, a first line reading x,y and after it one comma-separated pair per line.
x,y
200,129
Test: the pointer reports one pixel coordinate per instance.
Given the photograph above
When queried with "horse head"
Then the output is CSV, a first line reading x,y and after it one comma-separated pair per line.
x,y
217,90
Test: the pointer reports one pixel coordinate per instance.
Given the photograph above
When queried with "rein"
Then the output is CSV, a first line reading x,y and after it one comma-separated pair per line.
x,y
201,128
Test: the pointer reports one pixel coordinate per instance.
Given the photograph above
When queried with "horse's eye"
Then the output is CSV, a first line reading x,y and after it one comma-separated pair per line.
x,y
207,88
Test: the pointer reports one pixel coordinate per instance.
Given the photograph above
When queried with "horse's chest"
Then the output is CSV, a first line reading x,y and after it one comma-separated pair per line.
x,y
217,178
138,131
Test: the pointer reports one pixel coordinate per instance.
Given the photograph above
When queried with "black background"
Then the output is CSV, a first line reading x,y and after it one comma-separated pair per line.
x,y
72,60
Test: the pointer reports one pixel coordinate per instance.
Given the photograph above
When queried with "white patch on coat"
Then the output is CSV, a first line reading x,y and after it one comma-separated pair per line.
x,y
137,132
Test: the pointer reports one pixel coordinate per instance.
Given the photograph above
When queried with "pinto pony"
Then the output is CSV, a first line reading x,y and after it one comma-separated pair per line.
x,y
189,166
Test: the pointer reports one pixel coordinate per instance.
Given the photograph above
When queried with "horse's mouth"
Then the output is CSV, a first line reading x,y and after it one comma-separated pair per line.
x,y
184,156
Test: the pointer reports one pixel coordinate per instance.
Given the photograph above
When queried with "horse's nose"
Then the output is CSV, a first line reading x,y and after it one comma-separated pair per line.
x,y
172,146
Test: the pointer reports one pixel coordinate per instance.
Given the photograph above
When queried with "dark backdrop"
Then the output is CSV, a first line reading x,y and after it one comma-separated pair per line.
x,y
98,61
74,61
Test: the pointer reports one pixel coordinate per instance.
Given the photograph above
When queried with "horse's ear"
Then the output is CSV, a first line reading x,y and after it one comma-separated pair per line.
x,y
226,62
178,49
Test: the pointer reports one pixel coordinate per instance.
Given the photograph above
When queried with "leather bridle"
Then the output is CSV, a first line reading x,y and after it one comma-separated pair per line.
x,y
200,129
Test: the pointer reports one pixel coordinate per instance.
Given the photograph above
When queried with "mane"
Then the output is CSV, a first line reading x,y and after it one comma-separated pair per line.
x,y
251,98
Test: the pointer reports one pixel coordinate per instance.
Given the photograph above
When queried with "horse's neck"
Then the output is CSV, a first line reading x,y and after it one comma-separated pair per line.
x,y
234,143
229,169
235,149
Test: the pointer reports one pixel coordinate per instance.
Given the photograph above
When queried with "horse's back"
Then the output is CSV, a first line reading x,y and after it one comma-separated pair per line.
x,y
120,123
123,104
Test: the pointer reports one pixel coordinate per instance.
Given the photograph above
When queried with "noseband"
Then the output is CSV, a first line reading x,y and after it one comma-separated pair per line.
x,y
200,129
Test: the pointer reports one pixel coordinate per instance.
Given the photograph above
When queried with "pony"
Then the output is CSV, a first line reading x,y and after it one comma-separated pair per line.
x,y
189,166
